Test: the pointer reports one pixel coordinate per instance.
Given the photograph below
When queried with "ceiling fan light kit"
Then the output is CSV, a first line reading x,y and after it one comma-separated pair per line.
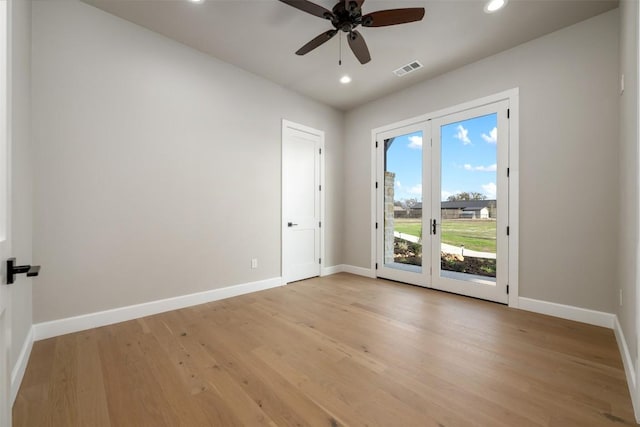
x,y
346,16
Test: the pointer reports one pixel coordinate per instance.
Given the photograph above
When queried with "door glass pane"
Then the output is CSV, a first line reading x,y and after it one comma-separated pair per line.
x,y
403,202
468,207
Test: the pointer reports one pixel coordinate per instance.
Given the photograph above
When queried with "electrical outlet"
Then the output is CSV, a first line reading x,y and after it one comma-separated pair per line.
x,y
254,262
620,297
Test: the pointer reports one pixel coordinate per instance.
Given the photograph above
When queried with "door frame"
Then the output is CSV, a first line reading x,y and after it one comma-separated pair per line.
x,y
297,126
511,95
6,402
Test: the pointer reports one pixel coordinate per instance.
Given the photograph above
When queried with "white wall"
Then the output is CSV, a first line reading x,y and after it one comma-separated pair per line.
x,y
568,157
628,218
157,168
21,177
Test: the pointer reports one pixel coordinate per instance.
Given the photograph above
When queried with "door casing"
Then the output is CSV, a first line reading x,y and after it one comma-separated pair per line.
x,y
5,204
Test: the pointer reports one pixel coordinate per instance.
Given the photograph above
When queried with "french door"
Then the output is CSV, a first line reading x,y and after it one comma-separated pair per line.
x,y
404,164
442,202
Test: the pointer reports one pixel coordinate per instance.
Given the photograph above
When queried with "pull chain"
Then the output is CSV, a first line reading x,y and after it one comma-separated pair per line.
x,y
340,48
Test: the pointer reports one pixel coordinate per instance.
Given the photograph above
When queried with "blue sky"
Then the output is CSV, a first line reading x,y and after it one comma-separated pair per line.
x,y
468,154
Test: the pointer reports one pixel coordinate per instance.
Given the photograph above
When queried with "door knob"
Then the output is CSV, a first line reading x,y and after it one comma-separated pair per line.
x,y
290,224
13,269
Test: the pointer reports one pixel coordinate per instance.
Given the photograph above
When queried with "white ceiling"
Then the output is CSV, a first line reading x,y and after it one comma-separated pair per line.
x,y
261,36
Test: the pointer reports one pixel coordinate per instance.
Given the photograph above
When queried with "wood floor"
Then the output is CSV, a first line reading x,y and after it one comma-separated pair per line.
x,y
340,350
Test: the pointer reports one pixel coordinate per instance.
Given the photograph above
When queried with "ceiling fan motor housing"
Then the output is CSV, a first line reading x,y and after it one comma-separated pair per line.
x,y
346,16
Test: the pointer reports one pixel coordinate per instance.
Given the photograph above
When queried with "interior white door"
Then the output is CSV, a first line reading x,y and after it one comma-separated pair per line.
x,y
470,234
5,241
301,150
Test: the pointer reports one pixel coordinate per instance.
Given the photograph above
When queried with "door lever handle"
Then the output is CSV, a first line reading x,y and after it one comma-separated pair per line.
x,y
290,224
13,269
433,227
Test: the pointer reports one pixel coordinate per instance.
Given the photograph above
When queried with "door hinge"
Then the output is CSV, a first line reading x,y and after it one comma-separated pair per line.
x,y
507,230
319,187
376,184
507,289
319,260
376,144
376,265
376,225
319,224
508,172
319,150
431,142
508,112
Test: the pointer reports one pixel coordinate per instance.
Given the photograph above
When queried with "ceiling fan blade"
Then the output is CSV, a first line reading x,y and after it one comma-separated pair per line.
x,y
312,8
322,38
383,18
359,47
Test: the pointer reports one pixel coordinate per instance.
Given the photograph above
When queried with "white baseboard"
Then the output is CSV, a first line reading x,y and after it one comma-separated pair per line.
x,y
345,268
592,317
17,374
108,317
627,362
366,272
328,271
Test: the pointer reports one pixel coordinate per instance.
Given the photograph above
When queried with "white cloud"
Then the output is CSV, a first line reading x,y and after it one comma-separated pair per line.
x,y
492,138
398,184
415,142
463,135
490,168
416,190
490,190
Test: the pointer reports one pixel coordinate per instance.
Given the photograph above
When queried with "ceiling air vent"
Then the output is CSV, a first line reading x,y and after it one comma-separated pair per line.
x,y
406,69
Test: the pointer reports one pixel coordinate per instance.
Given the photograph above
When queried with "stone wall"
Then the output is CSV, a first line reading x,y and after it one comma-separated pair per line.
x,y
389,182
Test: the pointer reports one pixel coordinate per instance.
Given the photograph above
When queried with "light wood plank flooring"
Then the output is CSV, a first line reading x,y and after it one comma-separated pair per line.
x,y
334,351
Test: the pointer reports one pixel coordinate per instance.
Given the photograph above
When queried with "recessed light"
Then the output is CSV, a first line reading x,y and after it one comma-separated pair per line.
x,y
494,5
196,1
345,79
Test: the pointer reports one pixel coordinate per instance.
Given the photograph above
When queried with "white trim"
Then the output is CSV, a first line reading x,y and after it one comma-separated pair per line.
x,y
334,269
507,94
584,315
102,318
359,271
373,209
352,269
627,362
17,374
635,397
514,198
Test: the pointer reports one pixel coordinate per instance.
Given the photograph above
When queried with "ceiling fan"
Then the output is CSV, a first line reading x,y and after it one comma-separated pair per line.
x,y
346,15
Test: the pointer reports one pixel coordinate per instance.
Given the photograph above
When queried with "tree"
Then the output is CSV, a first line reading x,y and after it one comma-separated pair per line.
x,y
466,196
409,203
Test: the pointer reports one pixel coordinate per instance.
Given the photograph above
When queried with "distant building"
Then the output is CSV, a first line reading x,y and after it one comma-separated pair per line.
x,y
467,209
471,209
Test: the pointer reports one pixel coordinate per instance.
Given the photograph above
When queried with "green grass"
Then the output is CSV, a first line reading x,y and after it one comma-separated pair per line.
x,y
476,235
